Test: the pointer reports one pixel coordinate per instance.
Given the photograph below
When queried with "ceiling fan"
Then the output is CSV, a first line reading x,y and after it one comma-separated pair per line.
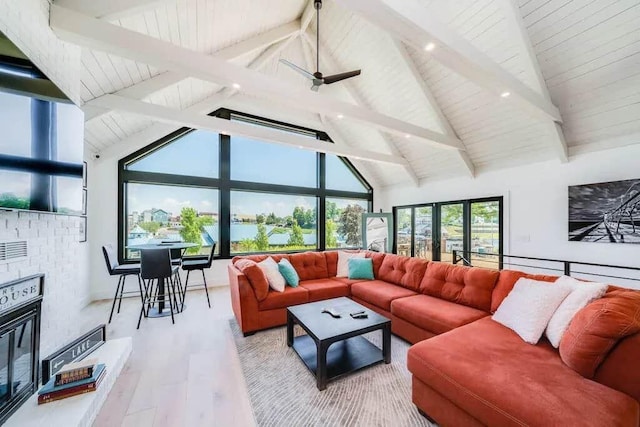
x,y
317,78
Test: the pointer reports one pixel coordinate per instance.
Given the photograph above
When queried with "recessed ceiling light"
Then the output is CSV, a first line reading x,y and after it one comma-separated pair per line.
x,y
406,135
505,94
429,47
340,116
236,86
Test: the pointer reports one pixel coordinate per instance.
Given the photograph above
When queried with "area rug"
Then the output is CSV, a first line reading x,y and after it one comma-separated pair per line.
x,y
283,391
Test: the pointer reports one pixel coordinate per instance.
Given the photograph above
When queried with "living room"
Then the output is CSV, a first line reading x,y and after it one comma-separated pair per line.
x,y
337,212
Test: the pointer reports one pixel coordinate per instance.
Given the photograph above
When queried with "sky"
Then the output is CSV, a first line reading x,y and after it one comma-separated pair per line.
x,y
196,154
15,122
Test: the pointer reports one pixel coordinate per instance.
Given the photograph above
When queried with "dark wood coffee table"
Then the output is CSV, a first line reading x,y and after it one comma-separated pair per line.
x,y
336,347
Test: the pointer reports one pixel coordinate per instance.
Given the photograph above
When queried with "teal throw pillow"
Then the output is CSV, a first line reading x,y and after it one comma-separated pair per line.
x,y
361,268
289,273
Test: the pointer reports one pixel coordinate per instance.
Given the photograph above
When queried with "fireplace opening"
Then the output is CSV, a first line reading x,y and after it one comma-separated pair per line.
x,y
20,311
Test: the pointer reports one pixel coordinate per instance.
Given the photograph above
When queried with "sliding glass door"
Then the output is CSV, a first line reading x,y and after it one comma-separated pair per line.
x,y
433,231
451,230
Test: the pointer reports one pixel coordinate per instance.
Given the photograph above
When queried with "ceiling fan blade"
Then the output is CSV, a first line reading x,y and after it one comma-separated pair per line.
x,y
342,76
297,69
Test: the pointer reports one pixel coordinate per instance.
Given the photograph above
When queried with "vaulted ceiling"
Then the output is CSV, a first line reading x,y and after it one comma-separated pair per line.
x,y
571,68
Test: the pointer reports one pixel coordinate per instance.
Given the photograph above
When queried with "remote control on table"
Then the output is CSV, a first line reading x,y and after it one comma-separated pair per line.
x,y
331,312
361,315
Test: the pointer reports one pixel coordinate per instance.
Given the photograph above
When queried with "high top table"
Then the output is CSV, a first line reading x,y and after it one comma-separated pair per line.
x,y
161,311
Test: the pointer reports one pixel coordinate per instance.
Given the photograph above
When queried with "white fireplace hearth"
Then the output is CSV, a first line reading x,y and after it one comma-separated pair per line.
x,y
80,410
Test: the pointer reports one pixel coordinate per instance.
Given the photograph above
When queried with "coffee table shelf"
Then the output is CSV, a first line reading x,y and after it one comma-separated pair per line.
x,y
343,357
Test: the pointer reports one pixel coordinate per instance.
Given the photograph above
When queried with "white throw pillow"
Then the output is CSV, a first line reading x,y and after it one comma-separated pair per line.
x,y
529,306
343,262
582,293
270,269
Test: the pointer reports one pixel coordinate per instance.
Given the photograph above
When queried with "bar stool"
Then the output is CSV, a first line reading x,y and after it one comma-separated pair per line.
x,y
115,269
156,266
198,263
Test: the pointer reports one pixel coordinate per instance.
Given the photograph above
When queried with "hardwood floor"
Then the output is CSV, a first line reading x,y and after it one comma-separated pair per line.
x,y
187,374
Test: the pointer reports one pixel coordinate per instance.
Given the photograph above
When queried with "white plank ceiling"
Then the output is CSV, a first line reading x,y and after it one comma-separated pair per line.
x,y
588,52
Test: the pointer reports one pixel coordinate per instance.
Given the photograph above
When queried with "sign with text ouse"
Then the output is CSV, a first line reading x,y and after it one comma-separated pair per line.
x,y
20,292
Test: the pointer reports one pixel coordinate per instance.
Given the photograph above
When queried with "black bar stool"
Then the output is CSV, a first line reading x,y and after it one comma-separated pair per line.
x,y
115,269
156,266
198,263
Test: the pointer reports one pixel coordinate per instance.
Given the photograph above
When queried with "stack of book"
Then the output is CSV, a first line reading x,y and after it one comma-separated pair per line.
x,y
73,379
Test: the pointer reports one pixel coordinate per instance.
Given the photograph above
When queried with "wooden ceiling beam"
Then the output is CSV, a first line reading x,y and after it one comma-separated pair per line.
x,y
414,24
165,79
215,124
357,97
99,35
442,120
521,37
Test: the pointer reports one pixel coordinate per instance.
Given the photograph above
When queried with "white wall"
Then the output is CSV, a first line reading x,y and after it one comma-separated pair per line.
x,y
536,203
53,249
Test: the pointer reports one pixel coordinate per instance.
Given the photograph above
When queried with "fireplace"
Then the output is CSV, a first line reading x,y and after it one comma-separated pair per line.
x,y
20,304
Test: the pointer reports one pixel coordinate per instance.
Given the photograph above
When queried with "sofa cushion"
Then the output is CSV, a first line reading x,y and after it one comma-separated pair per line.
x,y
434,314
290,296
582,293
489,372
310,265
469,286
597,328
402,271
255,276
321,289
529,306
505,283
379,293
378,258
343,262
361,268
271,271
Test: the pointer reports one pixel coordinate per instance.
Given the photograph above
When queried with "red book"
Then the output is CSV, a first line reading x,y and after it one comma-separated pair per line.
x,y
71,391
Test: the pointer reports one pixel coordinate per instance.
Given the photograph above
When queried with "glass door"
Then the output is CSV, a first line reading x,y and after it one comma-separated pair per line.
x,y
485,234
452,230
423,233
404,231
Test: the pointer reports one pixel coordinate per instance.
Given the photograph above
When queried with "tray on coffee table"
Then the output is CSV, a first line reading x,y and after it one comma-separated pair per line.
x,y
335,347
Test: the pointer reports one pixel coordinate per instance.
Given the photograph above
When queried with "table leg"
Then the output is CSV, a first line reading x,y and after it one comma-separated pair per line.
x,y
289,329
321,364
386,343
161,311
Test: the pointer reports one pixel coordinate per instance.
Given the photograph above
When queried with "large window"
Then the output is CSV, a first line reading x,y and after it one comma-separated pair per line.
x,y
434,231
247,196
257,161
159,213
263,222
343,222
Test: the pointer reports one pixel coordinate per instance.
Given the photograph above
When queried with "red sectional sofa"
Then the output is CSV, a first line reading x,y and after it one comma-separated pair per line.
x,y
467,369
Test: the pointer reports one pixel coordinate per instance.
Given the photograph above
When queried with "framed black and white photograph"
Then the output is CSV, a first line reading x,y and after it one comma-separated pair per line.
x,y
84,174
83,229
607,212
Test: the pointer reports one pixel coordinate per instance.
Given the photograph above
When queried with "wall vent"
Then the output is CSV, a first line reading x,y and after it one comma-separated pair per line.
x,y
13,250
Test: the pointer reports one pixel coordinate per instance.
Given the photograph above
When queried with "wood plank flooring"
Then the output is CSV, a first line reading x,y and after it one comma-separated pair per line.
x,y
187,374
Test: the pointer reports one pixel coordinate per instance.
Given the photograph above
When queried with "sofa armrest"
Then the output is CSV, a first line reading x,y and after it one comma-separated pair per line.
x,y
243,299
